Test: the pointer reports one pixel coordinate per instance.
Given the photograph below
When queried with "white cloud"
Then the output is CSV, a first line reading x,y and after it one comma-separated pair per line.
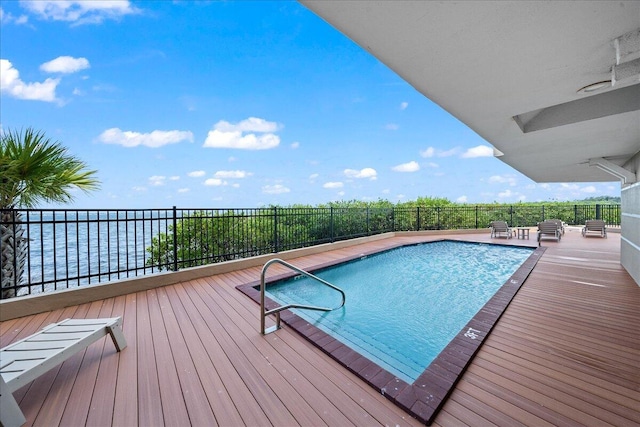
x,y
80,11
589,189
196,174
183,190
252,124
411,166
232,174
295,145
505,194
391,126
11,84
404,105
503,179
174,178
432,152
462,199
8,18
363,173
333,185
157,180
433,165
215,182
341,193
228,135
314,176
479,151
154,139
139,188
275,189
65,65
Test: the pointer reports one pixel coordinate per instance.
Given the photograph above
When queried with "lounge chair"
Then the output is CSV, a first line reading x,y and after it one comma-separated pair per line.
x,y
560,225
500,227
27,359
594,226
549,229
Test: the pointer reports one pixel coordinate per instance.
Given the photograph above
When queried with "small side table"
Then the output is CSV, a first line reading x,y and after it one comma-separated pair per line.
x,y
523,232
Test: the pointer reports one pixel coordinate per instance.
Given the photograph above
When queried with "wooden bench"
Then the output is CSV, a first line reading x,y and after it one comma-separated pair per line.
x,y
27,359
594,226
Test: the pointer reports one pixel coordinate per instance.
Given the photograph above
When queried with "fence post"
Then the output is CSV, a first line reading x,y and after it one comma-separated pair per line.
x,y
275,229
438,217
542,213
476,217
331,222
598,211
418,218
368,227
393,219
575,214
175,239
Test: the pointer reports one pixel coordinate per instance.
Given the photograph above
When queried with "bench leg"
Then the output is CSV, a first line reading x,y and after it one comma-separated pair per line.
x,y
10,413
117,336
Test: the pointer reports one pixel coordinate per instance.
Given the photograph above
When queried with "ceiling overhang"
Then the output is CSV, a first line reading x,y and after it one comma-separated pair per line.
x,y
553,86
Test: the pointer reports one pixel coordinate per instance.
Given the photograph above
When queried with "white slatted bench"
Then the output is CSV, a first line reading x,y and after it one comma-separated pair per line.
x,y
27,359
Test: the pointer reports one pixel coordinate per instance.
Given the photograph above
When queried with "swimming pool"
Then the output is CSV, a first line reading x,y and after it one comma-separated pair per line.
x,y
424,396
404,305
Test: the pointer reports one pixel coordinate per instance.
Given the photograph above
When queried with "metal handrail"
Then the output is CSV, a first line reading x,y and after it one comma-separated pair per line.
x,y
277,310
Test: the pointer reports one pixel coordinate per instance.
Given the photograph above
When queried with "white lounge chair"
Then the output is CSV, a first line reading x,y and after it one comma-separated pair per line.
x,y
594,226
549,229
500,227
27,359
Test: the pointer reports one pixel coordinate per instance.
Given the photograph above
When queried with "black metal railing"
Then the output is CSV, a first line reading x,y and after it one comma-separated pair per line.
x,y
69,248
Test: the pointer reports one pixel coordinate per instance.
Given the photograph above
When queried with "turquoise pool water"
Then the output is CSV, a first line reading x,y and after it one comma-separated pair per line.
x,y
403,306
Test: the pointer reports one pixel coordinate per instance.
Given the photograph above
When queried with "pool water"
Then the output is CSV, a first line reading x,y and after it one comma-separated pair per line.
x,y
405,305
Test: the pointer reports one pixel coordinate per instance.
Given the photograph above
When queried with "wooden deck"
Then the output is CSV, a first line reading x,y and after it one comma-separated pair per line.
x,y
565,352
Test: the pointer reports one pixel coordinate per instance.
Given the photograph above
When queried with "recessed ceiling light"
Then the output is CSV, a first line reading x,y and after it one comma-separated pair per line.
x,y
595,86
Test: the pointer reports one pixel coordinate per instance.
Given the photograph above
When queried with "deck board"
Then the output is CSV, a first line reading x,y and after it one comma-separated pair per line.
x,y
565,352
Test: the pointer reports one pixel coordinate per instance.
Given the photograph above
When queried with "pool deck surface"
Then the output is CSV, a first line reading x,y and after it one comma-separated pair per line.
x,y
565,352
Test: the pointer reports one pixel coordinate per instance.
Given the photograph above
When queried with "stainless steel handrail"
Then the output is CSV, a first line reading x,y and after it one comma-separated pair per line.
x,y
277,310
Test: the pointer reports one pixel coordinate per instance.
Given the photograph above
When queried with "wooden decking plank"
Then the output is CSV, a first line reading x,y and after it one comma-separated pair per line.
x,y
566,360
271,404
563,400
149,396
469,403
299,408
196,399
125,407
579,394
569,341
497,400
231,401
174,408
547,364
103,397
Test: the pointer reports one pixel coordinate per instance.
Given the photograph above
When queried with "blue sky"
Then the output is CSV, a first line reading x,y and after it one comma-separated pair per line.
x,y
237,104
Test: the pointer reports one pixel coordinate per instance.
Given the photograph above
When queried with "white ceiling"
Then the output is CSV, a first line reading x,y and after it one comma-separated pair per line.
x,y
488,62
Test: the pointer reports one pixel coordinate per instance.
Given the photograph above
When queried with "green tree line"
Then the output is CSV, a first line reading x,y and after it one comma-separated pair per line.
x,y
207,236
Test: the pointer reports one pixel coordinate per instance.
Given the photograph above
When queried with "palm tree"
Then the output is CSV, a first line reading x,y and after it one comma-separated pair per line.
x,y
33,169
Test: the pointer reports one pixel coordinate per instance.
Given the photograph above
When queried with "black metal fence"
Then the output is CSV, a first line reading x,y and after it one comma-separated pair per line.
x,y
69,248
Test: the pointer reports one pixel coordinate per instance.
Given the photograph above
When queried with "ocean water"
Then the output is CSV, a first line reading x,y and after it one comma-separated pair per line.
x,y
76,248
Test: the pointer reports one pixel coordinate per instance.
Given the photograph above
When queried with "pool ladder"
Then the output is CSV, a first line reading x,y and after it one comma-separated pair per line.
x,y
264,313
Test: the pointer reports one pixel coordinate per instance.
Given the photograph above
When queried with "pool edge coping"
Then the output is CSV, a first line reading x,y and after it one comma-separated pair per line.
x,y
425,397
